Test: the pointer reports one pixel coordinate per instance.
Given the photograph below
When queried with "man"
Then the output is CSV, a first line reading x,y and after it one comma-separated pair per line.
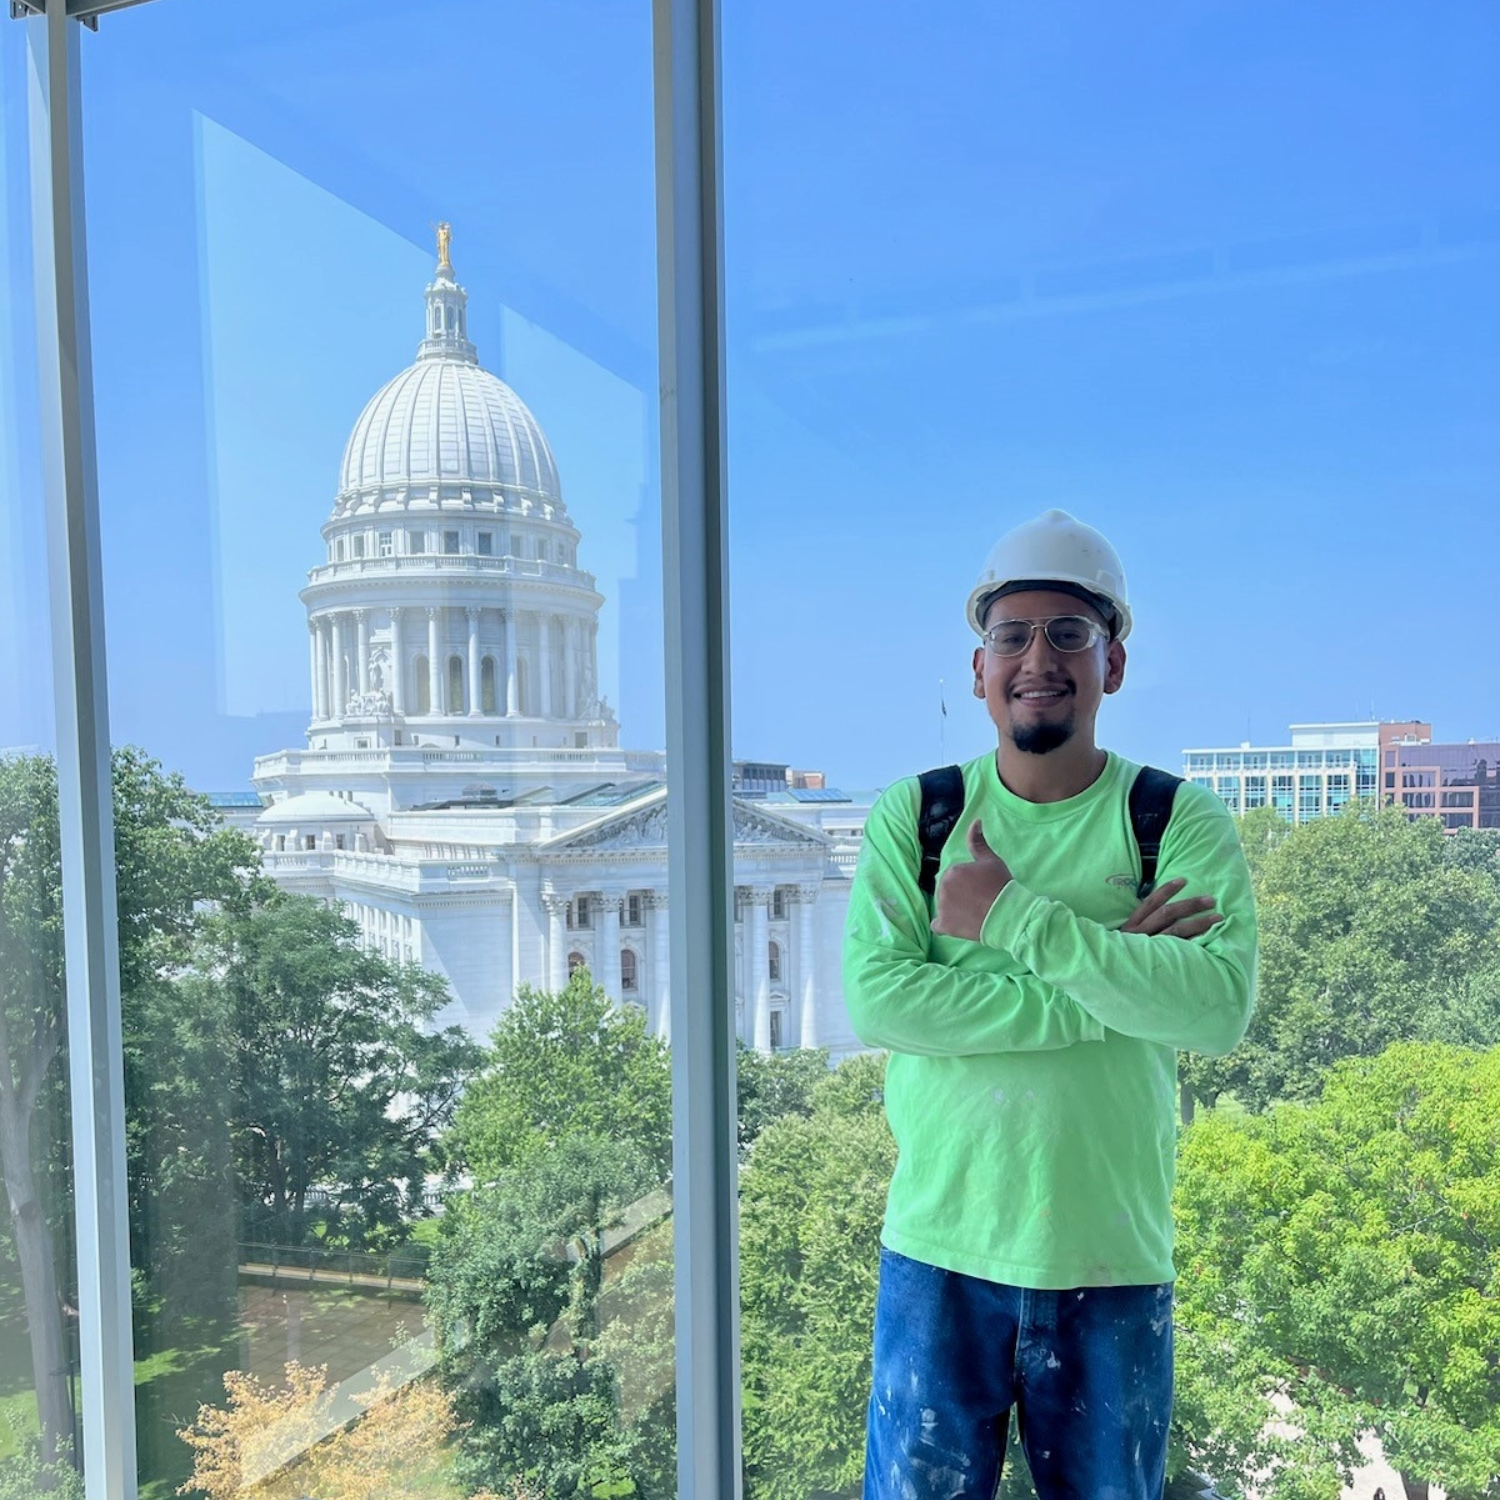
x,y
1033,1015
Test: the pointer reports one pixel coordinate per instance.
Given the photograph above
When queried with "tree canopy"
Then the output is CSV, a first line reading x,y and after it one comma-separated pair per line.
x,y
1373,929
514,1293
561,1064
171,857
334,1075
1342,1258
772,1085
812,1198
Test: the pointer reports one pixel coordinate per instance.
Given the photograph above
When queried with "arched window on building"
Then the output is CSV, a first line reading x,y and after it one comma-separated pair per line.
x,y
456,704
774,962
575,961
630,979
487,685
523,686
423,684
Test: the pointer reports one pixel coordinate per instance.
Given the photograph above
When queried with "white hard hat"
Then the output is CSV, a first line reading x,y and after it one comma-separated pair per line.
x,y
1053,549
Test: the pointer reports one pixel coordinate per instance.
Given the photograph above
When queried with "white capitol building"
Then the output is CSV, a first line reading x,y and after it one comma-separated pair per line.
x,y
463,792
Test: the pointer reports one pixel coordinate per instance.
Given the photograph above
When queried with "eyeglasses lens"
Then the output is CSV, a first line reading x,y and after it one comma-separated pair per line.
x,y
1010,637
1071,633
1067,633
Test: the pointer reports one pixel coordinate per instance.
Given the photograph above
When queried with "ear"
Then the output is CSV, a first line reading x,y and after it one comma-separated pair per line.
x,y
1114,667
979,671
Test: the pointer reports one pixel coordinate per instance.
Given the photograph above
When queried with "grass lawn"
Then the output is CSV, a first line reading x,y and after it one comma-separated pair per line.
x,y
343,1330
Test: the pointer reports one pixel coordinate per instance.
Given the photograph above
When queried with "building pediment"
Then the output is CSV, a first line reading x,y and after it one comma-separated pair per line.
x,y
642,829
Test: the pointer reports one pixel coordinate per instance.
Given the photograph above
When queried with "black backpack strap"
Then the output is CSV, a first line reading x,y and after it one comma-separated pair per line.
x,y
942,806
1151,796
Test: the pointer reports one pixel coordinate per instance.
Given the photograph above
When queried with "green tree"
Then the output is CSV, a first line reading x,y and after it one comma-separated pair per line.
x,y
771,1086
1341,1258
171,856
1370,933
24,1474
566,1063
1203,1079
1261,830
1475,849
31,1037
514,1292
812,1198
333,1074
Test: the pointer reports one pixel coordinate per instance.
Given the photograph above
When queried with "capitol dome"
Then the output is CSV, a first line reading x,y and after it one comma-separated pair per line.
x,y
446,420
449,609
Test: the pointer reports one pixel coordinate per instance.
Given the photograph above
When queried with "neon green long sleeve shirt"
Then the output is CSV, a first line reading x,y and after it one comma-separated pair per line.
x,y
1032,1080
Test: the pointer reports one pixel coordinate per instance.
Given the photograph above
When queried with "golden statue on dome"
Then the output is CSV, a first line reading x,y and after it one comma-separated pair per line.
x,y
444,240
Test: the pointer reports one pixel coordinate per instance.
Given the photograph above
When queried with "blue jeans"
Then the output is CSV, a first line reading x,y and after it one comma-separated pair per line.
x,y
1089,1372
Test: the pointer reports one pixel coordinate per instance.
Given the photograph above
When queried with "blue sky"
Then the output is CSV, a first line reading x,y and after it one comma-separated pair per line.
x,y
1222,278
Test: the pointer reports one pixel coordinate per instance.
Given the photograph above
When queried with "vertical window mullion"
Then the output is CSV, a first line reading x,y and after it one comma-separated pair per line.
x,y
700,822
85,810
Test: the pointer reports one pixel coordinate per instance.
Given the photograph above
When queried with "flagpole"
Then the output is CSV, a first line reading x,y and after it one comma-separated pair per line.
x,y
942,726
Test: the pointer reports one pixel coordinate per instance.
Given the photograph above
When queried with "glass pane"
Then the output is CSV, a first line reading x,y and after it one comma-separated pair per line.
x,y
375,333
1224,284
40,1437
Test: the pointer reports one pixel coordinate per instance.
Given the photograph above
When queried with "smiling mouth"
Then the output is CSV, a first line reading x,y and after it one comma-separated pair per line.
x,y
1043,695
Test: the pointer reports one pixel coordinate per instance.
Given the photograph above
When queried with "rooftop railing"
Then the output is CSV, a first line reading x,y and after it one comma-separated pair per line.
x,y
525,569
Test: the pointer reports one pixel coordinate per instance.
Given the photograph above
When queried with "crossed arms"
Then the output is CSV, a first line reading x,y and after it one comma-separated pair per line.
x,y
1077,978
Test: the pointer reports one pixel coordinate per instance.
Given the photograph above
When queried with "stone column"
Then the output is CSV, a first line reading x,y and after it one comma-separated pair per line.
x,y
474,700
807,967
325,663
607,954
557,939
545,665
434,663
315,647
340,669
362,650
661,965
570,668
398,664
512,699
758,966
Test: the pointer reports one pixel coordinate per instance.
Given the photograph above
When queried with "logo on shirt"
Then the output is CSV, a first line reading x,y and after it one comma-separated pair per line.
x,y
1122,880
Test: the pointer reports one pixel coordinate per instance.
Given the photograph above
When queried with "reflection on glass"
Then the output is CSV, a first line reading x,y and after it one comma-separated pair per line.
x,y
397,1046
40,1437
1232,298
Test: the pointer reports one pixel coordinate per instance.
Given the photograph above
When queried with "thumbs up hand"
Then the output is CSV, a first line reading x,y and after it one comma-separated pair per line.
x,y
967,890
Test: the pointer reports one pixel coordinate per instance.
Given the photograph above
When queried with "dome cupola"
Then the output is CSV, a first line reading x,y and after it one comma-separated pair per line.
x,y
447,311
447,421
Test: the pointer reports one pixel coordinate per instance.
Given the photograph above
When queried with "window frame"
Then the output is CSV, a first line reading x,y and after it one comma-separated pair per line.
x,y
686,87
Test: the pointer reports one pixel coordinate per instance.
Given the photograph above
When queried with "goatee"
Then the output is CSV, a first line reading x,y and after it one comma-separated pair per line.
x,y
1039,739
